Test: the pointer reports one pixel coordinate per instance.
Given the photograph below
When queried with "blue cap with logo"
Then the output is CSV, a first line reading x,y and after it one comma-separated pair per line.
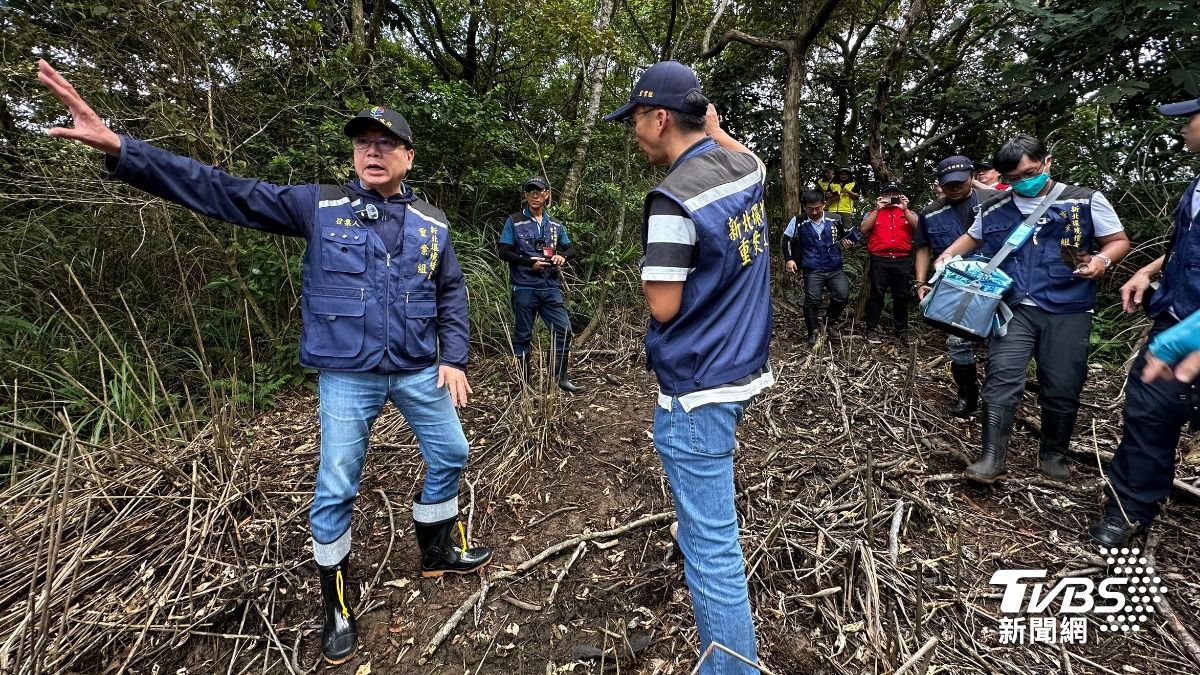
x,y
664,85
380,117
954,169
1182,108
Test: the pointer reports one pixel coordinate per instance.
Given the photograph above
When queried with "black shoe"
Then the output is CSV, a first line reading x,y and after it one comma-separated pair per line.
x,y
564,383
968,390
339,631
1056,438
812,338
873,336
997,429
906,338
439,554
833,332
1110,532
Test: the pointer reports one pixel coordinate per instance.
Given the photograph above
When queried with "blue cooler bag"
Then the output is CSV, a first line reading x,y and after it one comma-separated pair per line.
x,y
966,296
966,301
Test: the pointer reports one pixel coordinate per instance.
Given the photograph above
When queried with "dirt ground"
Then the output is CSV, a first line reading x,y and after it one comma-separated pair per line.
x,y
850,441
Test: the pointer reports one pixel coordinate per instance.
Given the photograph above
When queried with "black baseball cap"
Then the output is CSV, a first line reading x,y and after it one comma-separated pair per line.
x,y
1182,108
844,168
892,185
663,85
984,164
535,183
954,169
383,118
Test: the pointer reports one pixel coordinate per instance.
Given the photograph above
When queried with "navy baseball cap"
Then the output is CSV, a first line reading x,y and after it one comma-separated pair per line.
x,y
383,118
1182,108
663,85
984,164
535,183
892,185
954,169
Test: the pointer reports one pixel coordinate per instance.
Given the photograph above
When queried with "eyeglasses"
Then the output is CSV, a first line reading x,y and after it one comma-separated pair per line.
x,y
1014,178
631,121
385,144
536,192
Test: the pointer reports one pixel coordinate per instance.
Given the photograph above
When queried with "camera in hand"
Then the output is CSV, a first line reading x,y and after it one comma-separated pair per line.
x,y
894,200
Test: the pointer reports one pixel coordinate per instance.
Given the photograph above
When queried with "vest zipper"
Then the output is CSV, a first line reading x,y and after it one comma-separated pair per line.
x,y
388,262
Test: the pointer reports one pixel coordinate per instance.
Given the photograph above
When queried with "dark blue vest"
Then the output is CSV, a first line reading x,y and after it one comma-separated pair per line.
x,y
821,253
361,303
1037,268
529,242
1179,290
723,329
942,226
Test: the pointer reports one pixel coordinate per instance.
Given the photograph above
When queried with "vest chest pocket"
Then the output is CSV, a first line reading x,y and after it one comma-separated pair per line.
x,y
334,323
343,249
420,331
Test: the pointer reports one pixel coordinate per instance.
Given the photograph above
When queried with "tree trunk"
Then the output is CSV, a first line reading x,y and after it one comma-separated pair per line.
x,y
791,130
358,29
883,91
604,14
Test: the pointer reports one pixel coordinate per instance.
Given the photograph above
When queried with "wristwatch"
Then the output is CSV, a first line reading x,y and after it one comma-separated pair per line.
x,y
1107,260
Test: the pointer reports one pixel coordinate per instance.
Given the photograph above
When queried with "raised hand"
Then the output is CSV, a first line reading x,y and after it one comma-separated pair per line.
x,y
89,129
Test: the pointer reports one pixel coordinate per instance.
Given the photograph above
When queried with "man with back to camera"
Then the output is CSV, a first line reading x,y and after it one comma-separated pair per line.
x,y
382,294
889,232
1054,277
706,276
536,247
1157,405
938,226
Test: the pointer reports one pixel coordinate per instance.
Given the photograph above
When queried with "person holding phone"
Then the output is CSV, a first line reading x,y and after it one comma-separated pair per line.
x,y
1054,282
536,247
889,229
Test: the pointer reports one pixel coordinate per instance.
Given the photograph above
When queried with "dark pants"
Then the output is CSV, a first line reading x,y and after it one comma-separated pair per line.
x,y
1143,466
815,283
1059,344
889,274
528,302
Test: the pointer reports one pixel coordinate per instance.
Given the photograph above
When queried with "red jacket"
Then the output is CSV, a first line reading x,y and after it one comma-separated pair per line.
x,y
892,235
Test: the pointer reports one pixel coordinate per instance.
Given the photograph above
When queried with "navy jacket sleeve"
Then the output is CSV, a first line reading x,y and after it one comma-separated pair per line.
x,y
453,328
249,202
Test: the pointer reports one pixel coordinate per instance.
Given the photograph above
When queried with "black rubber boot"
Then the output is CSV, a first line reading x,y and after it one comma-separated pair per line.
x,y
339,632
1056,437
564,383
832,314
968,390
810,322
441,553
997,429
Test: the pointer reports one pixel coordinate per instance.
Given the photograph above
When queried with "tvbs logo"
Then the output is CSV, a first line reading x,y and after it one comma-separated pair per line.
x,y
1126,598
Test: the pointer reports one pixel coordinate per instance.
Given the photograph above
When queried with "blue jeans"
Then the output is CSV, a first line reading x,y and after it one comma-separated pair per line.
x,y
529,302
961,351
697,453
349,404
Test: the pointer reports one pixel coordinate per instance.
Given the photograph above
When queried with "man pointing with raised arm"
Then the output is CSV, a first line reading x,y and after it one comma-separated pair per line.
x,y
384,312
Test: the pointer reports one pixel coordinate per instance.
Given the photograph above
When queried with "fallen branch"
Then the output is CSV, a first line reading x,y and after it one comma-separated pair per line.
x,y
919,663
506,575
1164,606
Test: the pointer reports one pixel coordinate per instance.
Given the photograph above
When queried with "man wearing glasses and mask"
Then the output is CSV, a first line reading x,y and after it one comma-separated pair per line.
x,y
384,310
536,246
1075,242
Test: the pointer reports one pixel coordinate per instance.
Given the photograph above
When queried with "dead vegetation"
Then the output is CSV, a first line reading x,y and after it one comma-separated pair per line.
x,y
866,551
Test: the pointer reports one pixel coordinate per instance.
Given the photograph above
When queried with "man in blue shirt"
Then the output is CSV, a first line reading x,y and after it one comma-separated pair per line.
x,y
1156,404
536,247
706,275
384,318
